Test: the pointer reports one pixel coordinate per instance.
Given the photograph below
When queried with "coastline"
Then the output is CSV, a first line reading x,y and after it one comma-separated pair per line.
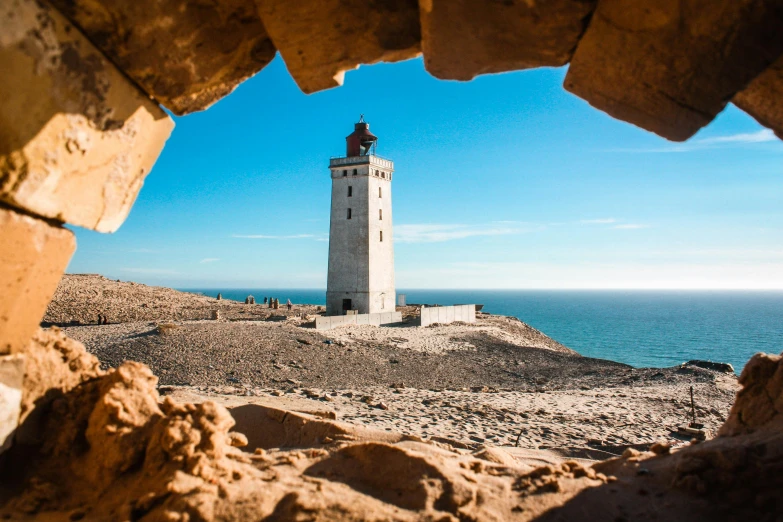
x,y
643,328
471,384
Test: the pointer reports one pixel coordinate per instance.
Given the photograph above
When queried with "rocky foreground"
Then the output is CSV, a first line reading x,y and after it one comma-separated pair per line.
x,y
231,434
497,381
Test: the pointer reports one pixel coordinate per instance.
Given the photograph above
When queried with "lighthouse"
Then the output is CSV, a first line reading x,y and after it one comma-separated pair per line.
x,y
361,248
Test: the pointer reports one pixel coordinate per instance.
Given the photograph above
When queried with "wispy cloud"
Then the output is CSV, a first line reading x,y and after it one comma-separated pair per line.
x,y
317,237
743,138
761,136
630,226
434,233
606,273
209,260
602,221
160,271
613,223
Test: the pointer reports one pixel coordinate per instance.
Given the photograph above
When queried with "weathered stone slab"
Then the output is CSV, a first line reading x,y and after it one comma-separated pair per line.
x,y
763,98
321,39
670,66
33,257
185,54
11,380
76,137
461,39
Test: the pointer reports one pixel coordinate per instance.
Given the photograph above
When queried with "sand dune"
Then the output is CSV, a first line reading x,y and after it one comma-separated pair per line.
x,y
259,417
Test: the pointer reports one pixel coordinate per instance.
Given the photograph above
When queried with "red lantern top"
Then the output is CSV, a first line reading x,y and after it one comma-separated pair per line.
x,y
361,142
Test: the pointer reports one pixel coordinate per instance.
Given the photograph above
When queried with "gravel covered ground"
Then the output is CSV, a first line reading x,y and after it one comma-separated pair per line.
x,y
80,298
210,353
489,382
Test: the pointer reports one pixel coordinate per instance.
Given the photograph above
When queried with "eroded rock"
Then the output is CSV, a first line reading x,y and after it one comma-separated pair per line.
x,y
33,257
464,38
185,54
671,66
11,379
763,98
760,402
321,39
55,366
77,137
113,451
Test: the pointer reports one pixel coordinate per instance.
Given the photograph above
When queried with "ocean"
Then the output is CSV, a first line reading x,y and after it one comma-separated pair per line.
x,y
640,328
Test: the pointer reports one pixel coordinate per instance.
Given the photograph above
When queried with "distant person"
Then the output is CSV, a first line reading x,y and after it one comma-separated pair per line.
x,y
288,304
266,299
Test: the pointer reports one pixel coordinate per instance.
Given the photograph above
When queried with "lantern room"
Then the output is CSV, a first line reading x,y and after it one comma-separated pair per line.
x,y
361,142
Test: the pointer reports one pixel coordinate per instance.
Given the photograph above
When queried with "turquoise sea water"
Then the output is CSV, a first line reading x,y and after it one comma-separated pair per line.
x,y
640,328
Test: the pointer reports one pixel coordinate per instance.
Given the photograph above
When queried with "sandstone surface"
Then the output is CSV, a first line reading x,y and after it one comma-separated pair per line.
x,y
54,365
464,38
11,381
76,137
184,54
33,257
763,98
112,449
760,402
321,39
671,66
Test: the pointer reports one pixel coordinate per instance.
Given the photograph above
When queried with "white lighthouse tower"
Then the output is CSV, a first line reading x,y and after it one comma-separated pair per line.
x,y
361,249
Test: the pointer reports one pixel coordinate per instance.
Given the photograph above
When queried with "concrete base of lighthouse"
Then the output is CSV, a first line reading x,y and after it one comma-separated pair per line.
x,y
337,303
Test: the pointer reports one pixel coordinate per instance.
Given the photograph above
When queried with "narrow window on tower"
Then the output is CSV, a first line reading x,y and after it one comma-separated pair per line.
x,y
350,191
381,236
354,172
379,192
349,213
380,213
345,173
383,175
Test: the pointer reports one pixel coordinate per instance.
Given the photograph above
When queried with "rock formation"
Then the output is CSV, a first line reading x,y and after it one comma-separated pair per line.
x,y
205,48
80,128
102,445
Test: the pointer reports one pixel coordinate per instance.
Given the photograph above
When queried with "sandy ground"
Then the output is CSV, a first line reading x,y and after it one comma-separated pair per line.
x,y
583,423
444,338
80,298
96,445
496,382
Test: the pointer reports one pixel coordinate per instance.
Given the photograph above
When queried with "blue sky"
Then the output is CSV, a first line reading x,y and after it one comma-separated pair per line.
x,y
506,181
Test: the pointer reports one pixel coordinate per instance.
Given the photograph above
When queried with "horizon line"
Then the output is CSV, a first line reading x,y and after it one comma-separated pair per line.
x,y
603,289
